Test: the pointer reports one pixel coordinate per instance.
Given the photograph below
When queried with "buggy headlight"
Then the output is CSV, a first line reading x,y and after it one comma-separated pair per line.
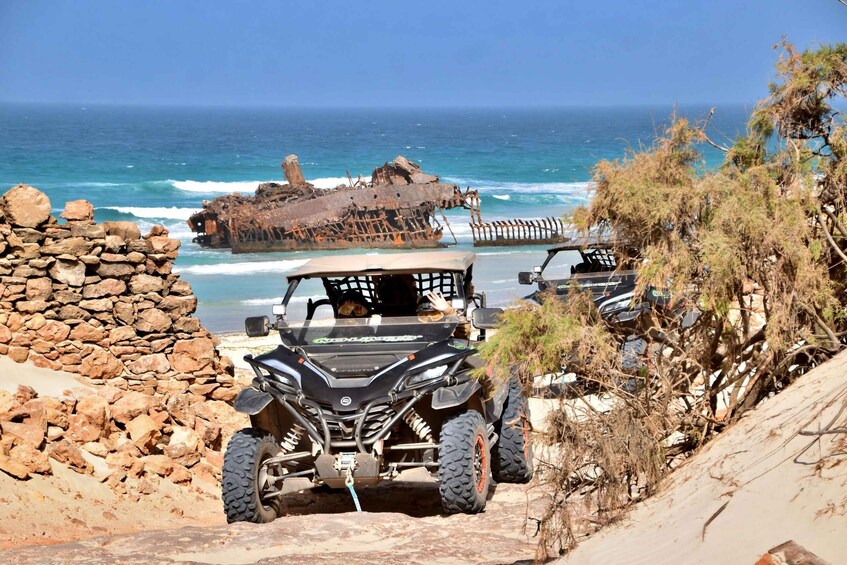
x,y
427,375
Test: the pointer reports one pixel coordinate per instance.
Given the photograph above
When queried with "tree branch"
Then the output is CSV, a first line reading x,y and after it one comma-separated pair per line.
x,y
706,123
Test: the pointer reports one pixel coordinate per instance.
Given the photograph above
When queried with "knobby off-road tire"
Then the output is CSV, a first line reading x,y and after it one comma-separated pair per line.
x,y
464,463
240,477
511,457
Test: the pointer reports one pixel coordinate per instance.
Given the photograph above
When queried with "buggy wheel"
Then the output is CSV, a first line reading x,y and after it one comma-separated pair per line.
x,y
512,455
464,463
243,481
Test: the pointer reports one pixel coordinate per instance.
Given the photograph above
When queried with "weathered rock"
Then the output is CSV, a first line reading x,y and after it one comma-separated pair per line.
x,y
75,246
115,270
40,288
122,333
224,394
31,434
31,306
153,320
13,468
90,231
181,288
124,313
163,245
54,331
72,312
35,461
18,354
85,331
142,284
25,206
178,305
70,272
192,354
67,297
161,465
65,452
97,305
180,475
155,363
101,364
210,434
29,235
144,432
184,447
95,408
106,287
78,211
125,230
7,403
81,429
129,406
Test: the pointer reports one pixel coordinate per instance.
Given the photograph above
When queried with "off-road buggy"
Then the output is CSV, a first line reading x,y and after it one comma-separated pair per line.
x,y
639,319
351,402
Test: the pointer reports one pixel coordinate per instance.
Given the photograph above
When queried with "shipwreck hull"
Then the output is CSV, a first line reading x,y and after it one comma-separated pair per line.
x,y
397,209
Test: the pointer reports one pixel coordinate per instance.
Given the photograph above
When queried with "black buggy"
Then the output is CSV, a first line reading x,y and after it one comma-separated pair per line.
x,y
612,285
351,401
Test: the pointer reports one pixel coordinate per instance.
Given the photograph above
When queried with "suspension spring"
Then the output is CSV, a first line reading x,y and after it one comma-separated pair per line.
x,y
292,438
418,425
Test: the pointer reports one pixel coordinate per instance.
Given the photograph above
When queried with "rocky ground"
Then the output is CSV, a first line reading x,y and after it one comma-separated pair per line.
x,y
401,522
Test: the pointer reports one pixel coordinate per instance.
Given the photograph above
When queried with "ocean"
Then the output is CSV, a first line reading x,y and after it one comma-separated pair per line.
x,y
156,165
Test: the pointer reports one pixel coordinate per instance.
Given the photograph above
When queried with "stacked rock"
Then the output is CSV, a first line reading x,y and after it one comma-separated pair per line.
x,y
120,437
100,300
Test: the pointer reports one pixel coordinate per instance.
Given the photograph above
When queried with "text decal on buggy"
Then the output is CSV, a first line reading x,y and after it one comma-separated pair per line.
x,y
366,339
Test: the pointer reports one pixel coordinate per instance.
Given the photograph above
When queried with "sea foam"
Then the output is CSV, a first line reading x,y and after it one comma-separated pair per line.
x,y
171,213
244,268
248,186
524,187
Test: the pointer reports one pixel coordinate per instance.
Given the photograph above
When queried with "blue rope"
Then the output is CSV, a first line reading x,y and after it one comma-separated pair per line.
x,y
355,498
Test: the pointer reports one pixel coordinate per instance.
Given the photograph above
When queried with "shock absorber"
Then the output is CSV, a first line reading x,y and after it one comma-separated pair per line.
x,y
292,438
418,425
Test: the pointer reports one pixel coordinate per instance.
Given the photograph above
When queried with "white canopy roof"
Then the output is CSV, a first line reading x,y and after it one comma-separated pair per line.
x,y
399,263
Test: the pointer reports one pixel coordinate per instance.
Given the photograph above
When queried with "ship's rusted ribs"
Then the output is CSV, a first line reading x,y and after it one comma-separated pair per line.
x,y
519,232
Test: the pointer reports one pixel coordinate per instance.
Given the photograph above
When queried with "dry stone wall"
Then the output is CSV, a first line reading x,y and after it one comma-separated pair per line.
x,y
100,300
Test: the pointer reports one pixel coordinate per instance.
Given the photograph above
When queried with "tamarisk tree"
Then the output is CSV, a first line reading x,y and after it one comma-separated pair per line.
x,y
757,249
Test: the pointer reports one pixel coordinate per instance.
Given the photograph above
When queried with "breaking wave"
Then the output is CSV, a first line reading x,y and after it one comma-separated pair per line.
x,y
245,268
168,213
582,188
248,186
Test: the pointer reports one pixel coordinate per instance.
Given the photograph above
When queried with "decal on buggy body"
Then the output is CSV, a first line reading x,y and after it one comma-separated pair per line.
x,y
366,339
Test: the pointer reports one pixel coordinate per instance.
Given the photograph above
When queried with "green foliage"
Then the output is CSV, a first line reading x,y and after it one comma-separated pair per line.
x,y
538,340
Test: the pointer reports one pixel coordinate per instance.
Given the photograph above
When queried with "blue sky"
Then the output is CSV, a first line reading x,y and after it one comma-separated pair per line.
x,y
380,53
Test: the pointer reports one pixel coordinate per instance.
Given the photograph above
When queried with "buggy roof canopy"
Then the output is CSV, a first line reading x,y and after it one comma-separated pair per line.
x,y
426,262
576,243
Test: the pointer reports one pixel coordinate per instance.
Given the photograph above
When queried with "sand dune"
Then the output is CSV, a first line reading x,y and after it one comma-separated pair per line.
x,y
760,484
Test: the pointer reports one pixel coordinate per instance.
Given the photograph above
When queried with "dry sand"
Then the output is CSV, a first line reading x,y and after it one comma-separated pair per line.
x,y
774,488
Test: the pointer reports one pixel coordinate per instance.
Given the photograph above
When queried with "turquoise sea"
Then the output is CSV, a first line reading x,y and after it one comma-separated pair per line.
x,y
156,165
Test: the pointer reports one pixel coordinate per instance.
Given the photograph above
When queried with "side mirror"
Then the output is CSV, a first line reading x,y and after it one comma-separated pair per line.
x,y
525,278
257,326
486,318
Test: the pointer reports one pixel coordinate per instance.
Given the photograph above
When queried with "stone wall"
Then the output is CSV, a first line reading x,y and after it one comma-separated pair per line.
x,y
100,300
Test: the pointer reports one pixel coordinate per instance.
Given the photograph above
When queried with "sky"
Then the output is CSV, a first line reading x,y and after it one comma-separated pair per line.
x,y
376,53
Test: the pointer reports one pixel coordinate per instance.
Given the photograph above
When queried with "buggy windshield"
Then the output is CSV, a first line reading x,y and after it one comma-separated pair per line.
x,y
402,332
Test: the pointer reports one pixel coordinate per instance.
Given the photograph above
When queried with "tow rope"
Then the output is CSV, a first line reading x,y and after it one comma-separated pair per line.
x,y
349,483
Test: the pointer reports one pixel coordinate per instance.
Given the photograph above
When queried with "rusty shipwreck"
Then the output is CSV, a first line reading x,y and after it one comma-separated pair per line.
x,y
397,208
